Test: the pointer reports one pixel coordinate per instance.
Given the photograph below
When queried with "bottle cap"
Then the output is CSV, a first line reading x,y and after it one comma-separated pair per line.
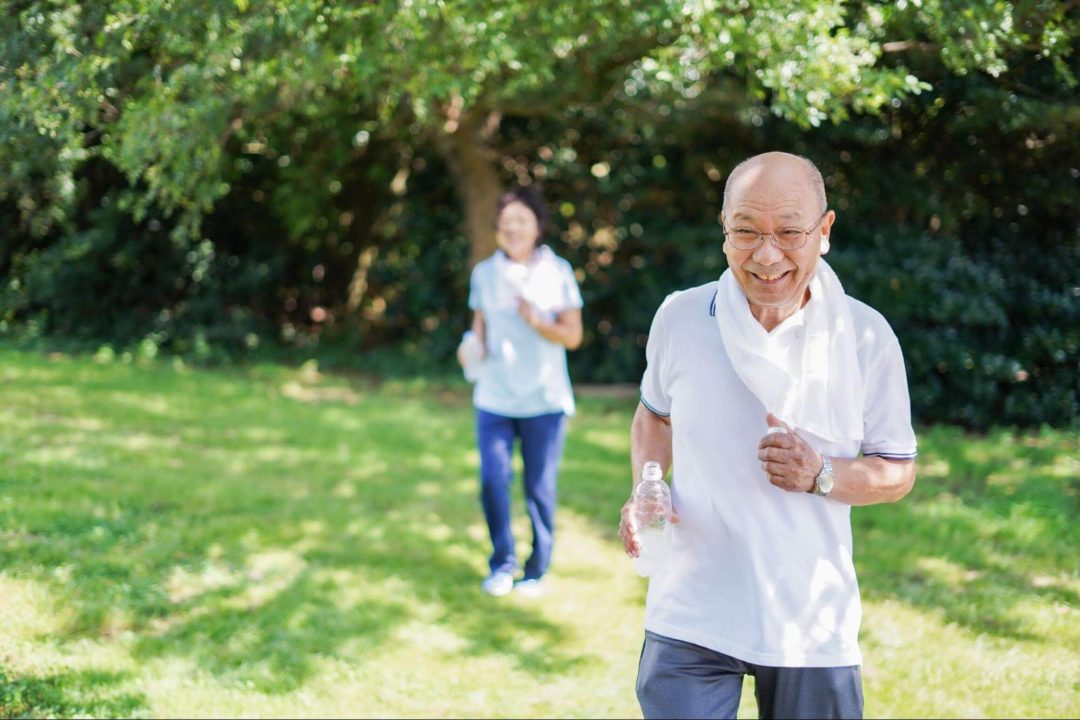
x,y
652,471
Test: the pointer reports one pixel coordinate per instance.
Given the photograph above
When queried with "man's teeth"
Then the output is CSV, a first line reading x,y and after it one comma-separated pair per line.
x,y
763,276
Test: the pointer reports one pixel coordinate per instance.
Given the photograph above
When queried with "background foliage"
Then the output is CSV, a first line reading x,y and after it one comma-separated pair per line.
x,y
221,179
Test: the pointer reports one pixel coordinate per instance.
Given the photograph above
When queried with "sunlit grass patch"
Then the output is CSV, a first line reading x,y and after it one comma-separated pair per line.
x,y
281,541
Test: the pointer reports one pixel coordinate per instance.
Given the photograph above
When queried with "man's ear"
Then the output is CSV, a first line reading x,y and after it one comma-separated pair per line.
x,y
826,226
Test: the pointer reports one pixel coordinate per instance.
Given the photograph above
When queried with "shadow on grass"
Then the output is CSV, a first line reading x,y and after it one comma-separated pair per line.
x,y
987,528
87,693
323,532
274,645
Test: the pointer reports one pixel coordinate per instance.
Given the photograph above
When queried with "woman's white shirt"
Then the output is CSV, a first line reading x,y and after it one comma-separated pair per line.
x,y
524,374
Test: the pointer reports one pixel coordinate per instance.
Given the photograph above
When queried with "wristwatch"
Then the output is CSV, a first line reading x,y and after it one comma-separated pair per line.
x,y
823,483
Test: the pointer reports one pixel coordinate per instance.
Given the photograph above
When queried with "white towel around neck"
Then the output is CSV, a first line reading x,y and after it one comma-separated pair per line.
x,y
824,393
538,280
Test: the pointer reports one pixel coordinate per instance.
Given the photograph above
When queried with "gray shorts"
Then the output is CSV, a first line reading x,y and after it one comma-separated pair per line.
x,y
678,679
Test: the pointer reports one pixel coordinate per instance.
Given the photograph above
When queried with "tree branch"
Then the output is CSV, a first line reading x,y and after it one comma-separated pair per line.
x,y
897,46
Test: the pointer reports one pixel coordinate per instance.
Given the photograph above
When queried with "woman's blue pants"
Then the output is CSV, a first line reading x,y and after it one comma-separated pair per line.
x,y
541,440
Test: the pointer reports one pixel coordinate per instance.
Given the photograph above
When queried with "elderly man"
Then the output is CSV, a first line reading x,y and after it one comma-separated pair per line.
x,y
781,402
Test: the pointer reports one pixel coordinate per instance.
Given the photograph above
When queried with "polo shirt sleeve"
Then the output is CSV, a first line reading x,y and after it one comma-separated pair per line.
x,y
887,412
571,293
654,386
475,291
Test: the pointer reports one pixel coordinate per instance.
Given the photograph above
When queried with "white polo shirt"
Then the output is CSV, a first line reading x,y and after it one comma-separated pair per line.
x,y
756,572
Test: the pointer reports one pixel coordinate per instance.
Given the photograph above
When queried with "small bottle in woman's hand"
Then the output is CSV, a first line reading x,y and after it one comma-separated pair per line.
x,y
471,352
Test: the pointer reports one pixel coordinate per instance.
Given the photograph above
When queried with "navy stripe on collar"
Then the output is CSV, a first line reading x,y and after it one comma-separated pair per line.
x,y
712,305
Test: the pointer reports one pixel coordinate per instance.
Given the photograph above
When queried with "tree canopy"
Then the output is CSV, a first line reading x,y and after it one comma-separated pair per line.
x,y
171,93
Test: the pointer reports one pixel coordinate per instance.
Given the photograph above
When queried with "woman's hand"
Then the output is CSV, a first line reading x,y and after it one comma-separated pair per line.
x,y
470,350
529,313
476,339
565,330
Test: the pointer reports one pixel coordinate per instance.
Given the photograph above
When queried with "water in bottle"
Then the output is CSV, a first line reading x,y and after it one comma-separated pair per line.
x,y
652,506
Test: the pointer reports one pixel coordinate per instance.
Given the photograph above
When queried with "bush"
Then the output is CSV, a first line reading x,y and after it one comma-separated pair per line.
x,y
985,343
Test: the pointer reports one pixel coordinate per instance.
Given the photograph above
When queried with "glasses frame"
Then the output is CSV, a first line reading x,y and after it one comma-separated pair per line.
x,y
775,240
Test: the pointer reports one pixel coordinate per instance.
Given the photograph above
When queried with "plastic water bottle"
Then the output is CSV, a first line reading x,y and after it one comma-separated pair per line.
x,y
472,354
652,505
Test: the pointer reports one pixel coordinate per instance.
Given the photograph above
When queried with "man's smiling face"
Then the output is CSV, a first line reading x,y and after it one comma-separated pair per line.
x,y
772,193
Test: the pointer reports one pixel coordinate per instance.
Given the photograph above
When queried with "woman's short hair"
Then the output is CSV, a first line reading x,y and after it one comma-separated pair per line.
x,y
530,197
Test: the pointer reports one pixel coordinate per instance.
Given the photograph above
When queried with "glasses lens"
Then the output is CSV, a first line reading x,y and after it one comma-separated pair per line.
x,y
745,239
790,238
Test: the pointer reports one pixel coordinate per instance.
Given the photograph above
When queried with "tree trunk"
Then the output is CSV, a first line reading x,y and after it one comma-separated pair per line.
x,y
365,228
358,284
472,163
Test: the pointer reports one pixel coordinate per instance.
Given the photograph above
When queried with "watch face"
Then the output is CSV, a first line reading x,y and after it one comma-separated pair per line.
x,y
825,483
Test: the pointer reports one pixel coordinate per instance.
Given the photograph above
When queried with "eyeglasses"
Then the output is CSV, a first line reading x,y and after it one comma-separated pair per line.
x,y
748,238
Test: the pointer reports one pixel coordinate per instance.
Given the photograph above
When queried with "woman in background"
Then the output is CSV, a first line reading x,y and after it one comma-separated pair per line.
x,y
526,314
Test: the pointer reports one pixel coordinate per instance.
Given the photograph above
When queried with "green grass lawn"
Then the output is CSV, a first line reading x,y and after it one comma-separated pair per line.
x,y
279,542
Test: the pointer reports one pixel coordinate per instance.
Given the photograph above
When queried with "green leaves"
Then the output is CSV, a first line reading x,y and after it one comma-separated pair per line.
x,y
161,89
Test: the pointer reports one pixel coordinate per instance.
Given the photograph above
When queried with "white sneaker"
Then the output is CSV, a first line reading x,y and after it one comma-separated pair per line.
x,y
498,583
529,588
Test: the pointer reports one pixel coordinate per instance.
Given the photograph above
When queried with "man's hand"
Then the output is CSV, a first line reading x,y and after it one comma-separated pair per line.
x,y
628,528
788,460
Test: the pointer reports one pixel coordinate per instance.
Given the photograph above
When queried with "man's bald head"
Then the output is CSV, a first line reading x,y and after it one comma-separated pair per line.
x,y
784,170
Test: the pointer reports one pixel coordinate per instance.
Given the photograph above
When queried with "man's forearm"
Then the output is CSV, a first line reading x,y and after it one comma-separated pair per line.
x,y
650,439
871,480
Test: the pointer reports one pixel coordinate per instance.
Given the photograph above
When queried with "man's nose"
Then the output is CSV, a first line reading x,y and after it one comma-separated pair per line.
x,y
767,253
